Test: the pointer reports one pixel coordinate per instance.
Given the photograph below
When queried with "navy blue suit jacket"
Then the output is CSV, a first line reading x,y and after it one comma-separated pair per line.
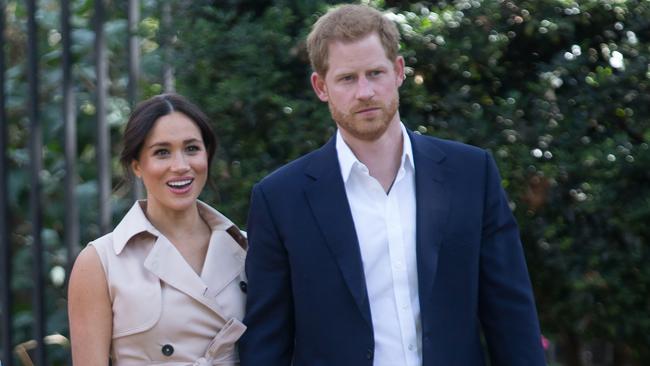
x,y
307,302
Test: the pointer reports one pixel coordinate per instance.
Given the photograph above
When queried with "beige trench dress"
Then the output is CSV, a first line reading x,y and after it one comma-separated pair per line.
x,y
164,313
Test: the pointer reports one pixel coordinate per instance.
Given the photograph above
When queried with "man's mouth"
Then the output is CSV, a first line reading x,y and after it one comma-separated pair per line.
x,y
366,110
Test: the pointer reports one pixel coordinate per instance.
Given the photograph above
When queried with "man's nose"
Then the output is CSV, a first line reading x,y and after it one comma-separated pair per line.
x,y
365,89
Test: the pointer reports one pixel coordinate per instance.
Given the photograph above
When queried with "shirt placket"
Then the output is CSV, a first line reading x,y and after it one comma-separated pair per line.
x,y
396,247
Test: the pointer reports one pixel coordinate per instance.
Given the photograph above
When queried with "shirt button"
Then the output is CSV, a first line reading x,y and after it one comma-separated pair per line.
x,y
243,286
411,347
369,354
167,350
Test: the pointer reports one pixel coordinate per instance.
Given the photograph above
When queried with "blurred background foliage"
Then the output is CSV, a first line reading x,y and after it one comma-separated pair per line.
x,y
557,90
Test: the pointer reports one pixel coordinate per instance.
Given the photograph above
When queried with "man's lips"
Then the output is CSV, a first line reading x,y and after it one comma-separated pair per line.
x,y
366,110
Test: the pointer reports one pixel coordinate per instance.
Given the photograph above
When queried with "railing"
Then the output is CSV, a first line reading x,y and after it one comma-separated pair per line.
x,y
33,351
5,248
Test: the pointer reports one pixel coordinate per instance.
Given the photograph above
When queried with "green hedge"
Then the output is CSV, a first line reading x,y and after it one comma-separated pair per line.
x,y
557,90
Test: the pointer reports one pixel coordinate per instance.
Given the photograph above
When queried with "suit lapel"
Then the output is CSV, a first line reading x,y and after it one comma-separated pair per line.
x,y
328,201
433,203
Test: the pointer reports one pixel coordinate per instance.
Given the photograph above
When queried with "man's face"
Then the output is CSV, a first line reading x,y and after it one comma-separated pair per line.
x,y
361,87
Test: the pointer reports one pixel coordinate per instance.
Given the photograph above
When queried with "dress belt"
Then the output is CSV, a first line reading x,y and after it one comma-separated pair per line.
x,y
221,350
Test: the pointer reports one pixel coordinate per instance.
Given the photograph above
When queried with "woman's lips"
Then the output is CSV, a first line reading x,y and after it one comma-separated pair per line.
x,y
180,186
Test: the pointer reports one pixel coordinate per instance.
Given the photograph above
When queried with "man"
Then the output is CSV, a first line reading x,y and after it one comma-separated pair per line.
x,y
383,247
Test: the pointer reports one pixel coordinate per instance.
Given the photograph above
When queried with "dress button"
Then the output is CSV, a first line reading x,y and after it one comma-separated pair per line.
x,y
243,286
167,350
369,354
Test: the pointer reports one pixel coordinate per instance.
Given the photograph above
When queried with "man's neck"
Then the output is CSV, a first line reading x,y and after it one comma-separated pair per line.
x,y
381,156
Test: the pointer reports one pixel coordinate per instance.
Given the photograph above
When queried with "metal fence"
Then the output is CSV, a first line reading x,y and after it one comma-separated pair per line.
x,y
34,350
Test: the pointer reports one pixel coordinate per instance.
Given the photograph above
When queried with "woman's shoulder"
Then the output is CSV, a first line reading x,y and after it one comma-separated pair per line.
x,y
88,258
101,242
102,248
88,272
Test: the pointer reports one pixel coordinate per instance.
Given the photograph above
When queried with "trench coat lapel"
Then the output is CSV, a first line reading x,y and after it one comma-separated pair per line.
x,y
433,204
225,258
166,262
223,262
329,204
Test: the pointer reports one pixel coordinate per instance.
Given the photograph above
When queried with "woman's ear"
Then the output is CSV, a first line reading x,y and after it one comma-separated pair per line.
x,y
135,167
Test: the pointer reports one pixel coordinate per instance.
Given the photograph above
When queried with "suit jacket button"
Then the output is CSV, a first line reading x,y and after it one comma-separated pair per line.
x,y
167,350
243,286
369,354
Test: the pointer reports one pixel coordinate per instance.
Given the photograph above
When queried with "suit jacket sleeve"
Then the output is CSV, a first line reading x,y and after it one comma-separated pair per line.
x,y
506,304
269,337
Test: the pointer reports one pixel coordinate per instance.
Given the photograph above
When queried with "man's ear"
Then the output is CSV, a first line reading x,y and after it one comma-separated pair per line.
x,y
320,88
399,70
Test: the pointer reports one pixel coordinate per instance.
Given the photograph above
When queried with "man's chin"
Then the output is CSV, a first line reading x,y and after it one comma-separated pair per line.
x,y
369,134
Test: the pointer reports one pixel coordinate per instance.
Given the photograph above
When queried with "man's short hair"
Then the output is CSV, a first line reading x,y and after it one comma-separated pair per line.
x,y
348,23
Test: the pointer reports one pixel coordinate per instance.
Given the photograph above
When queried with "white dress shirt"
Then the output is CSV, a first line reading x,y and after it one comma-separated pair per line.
x,y
385,227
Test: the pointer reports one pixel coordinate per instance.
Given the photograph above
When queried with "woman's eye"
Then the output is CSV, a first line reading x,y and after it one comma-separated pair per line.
x,y
193,148
161,152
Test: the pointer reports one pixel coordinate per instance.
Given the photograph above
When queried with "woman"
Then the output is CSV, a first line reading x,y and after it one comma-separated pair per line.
x,y
167,285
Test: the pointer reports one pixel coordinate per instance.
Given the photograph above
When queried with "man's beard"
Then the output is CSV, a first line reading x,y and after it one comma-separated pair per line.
x,y
366,129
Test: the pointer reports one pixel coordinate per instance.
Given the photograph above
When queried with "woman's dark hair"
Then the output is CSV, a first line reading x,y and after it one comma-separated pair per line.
x,y
145,115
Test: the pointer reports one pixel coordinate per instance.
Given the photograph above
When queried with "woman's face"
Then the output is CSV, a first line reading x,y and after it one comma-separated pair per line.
x,y
173,164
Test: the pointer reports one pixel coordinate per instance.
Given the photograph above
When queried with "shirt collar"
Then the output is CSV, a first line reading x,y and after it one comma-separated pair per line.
x,y
347,159
135,222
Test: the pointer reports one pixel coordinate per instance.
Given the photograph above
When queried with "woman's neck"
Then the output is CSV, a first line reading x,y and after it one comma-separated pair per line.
x,y
174,224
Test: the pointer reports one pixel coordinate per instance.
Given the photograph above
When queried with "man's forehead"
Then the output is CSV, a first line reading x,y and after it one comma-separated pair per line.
x,y
342,57
351,40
